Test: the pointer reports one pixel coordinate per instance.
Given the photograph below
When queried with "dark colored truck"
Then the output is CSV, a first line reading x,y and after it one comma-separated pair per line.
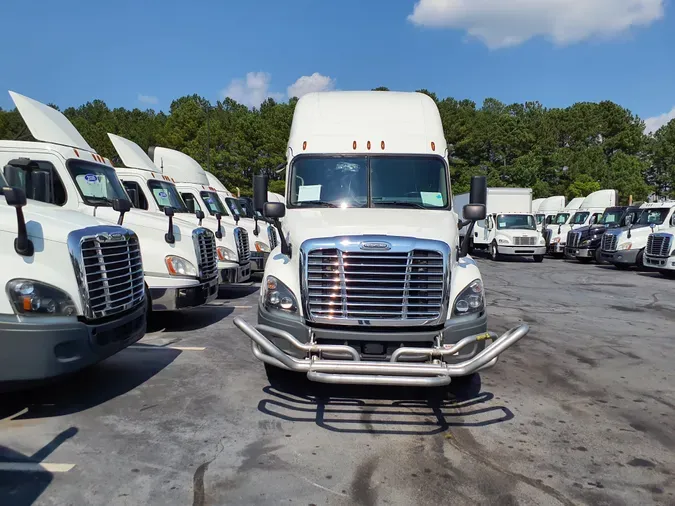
x,y
584,243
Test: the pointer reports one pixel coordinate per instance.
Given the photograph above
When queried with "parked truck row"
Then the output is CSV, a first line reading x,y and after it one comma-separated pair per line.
x,y
90,249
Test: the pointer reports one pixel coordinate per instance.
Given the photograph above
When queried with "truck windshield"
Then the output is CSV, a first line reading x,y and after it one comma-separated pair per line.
x,y
540,218
98,184
656,216
519,221
580,218
235,207
418,182
561,218
611,217
166,195
631,218
213,203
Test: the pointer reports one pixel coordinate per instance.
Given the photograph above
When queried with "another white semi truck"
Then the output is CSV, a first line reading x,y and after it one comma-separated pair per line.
x,y
193,186
548,210
588,213
259,230
369,284
625,247
509,228
660,250
155,191
72,289
62,169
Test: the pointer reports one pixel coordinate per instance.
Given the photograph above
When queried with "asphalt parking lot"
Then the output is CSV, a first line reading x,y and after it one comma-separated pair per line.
x,y
581,411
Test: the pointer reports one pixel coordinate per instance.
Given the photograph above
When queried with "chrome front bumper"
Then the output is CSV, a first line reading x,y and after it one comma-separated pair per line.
x,y
352,370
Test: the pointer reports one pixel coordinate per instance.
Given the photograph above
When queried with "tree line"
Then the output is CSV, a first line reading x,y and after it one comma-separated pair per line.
x,y
555,151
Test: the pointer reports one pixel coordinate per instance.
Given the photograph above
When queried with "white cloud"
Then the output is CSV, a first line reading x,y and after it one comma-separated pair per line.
x,y
503,23
656,122
147,99
308,84
253,90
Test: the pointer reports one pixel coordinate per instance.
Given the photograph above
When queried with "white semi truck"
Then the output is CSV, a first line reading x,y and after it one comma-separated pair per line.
x,y
509,228
547,210
193,187
155,191
72,289
260,231
660,250
369,284
62,169
625,247
588,212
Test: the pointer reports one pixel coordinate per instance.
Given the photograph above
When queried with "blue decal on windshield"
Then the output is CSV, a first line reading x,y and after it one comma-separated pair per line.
x,y
162,195
91,178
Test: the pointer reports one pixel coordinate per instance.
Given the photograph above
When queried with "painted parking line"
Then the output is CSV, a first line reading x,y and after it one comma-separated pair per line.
x,y
11,417
36,467
159,347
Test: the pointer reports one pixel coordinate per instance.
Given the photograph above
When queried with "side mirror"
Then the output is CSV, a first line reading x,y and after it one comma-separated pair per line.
x,y
200,215
133,195
42,186
260,183
274,210
169,237
190,204
474,212
219,234
478,191
16,198
122,206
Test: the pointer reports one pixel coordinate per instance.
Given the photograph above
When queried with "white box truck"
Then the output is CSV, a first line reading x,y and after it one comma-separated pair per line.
x,y
155,191
370,285
71,290
62,169
509,228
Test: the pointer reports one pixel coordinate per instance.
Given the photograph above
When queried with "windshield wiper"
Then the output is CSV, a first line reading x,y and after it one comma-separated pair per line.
x,y
401,203
105,200
318,203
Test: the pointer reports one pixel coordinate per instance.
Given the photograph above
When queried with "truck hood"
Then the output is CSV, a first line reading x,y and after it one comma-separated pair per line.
x,y
302,224
137,219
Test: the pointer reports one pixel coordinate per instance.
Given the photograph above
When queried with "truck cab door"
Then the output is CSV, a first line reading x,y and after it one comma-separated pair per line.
x,y
487,231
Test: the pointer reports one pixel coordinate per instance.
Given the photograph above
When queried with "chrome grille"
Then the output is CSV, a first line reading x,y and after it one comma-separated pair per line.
x,y
241,240
272,237
524,241
658,245
609,242
383,287
207,256
573,239
109,270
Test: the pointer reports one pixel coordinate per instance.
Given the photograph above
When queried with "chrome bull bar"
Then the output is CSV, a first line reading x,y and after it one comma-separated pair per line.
x,y
358,372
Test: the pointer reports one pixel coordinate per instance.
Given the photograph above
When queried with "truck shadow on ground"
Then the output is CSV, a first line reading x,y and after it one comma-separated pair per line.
x,y
21,488
88,388
188,320
354,409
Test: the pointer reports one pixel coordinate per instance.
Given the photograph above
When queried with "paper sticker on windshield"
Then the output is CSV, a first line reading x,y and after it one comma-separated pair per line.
x,y
432,199
162,195
91,178
309,193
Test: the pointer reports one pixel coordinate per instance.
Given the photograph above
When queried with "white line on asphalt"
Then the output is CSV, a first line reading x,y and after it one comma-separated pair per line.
x,y
11,417
36,467
322,487
159,347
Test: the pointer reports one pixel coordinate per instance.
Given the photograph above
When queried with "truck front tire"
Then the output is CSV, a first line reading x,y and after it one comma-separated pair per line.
x,y
494,252
538,258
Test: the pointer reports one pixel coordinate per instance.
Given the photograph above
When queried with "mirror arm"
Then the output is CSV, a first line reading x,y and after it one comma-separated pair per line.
x,y
120,220
464,247
169,237
256,230
22,244
285,247
219,234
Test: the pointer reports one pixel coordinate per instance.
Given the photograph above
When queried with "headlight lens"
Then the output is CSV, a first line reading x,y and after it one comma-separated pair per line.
x,y
626,245
542,241
471,299
261,247
584,242
178,266
29,297
555,239
276,295
502,239
226,254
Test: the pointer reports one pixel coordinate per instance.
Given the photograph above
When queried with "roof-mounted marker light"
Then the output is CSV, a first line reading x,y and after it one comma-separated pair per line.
x,y
354,145
77,153
368,145
382,144
433,146
304,145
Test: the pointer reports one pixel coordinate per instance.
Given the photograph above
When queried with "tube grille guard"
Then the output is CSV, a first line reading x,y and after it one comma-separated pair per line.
x,y
352,370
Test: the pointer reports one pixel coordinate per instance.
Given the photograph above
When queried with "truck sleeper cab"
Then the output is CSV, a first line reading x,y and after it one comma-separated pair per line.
x,y
555,233
58,311
193,187
547,209
585,243
625,247
152,190
368,284
62,169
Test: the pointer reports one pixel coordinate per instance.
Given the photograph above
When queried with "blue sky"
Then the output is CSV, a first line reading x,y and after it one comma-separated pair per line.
x,y
145,53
